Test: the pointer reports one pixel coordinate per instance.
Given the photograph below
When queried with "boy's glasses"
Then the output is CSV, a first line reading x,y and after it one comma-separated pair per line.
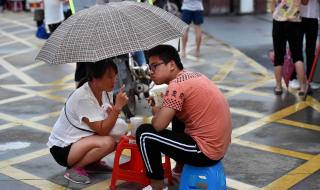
x,y
154,66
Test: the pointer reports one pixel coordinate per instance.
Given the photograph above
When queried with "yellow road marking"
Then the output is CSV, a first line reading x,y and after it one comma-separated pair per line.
x,y
299,124
313,103
37,118
296,175
272,149
244,112
252,92
240,185
247,87
30,179
14,99
105,184
27,123
223,73
24,158
21,75
268,119
238,54
26,68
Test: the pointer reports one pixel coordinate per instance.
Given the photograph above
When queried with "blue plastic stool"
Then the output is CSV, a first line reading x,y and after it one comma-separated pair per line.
x,y
209,178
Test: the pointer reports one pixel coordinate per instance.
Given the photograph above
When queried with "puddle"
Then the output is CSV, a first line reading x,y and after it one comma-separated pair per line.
x,y
13,146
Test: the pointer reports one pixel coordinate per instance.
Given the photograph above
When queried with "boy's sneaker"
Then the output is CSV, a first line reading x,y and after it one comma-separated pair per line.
x,y
98,167
77,175
294,84
314,85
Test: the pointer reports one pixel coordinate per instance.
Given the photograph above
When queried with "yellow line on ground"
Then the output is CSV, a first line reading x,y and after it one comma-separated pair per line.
x,y
63,80
247,87
45,116
313,103
224,71
23,41
14,99
268,119
30,179
23,69
18,23
27,123
244,112
252,92
105,184
296,175
251,62
37,118
18,73
299,124
24,158
273,149
44,94
234,184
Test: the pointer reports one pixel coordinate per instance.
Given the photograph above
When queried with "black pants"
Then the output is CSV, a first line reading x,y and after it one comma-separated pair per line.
x,y
310,31
177,145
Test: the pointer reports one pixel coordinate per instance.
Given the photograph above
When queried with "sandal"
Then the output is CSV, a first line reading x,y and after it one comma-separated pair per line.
x,y
277,92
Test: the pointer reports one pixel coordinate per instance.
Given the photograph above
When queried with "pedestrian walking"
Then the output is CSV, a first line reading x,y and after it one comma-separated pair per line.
x,y
287,28
201,109
310,14
192,12
87,127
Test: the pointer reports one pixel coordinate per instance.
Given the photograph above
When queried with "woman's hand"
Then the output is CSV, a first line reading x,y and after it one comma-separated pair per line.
x,y
121,99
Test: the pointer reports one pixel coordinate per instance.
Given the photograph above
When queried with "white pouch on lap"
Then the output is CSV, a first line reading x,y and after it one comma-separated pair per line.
x,y
119,129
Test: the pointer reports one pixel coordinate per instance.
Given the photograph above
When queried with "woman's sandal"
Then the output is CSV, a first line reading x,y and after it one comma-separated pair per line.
x,y
277,92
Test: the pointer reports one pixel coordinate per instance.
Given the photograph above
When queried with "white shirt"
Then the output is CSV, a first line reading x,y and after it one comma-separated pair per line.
x,y
53,11
82,103
311,10
192,5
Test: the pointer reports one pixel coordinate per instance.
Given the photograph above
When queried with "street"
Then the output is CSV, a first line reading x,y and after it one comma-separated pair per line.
x,y
275,139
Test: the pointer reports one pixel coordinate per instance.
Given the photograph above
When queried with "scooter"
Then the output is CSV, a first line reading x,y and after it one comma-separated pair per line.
x,y
136,80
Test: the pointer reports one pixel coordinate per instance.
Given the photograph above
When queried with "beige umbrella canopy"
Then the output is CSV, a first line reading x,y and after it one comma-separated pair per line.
x,y
108,30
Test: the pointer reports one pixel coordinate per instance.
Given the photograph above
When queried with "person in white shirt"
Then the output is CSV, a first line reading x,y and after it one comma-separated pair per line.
x,y
192,12
82,135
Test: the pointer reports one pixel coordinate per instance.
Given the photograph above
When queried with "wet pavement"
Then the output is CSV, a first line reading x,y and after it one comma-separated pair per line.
x,y
276,139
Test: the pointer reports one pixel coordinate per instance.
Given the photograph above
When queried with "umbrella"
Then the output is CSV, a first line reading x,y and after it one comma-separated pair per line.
x,y
108,30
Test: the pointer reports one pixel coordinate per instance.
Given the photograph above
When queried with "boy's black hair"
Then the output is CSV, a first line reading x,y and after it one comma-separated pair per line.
x,y
166,53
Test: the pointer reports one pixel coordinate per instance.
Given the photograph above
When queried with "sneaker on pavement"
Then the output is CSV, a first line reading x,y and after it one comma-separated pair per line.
x,y
98,167
77,175
294,84
314,85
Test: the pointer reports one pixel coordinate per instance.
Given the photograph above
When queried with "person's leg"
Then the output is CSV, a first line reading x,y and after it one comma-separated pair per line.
x,y
279,46
178,127
178,146
186,17
198,20
53,27
310,25
295,43
90,149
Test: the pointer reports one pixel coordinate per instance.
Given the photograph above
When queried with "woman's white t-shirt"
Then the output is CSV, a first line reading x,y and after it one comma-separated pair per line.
x,y
82,103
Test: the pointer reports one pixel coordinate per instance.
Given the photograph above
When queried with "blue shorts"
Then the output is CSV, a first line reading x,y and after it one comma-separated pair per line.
x,y
192,16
